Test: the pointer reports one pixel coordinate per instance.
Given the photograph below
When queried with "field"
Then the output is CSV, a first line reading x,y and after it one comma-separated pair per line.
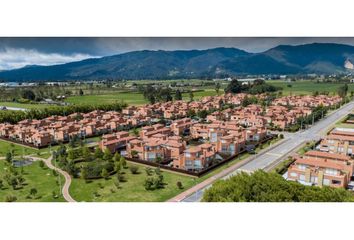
x,y
132,190
131,98
24,105
308,87
36,177
18,149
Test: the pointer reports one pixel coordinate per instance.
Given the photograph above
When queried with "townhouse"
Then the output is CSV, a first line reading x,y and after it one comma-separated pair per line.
x,y
339,140
322,169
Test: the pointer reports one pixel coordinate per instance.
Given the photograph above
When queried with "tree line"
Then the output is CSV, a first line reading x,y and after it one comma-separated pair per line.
x,y
13,117
271,187
257,87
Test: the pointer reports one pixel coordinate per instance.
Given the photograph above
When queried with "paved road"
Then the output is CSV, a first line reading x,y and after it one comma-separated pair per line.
x,y
66,186
275,154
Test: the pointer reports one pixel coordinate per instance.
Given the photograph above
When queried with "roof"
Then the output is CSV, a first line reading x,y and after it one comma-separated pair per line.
x,y
320,154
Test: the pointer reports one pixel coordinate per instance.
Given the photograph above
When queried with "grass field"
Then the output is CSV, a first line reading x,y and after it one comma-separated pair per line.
x,y
308,87
129,98
36,177
18,149
130,191
24,105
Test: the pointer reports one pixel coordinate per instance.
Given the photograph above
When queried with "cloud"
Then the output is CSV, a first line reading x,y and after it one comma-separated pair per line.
x,y
11,58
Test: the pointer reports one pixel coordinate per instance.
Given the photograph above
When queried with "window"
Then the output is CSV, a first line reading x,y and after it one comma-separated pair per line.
x,y
326,182
197,163
336,182
188,163
293,174
188,154
314,179
302,166
302,177
330,171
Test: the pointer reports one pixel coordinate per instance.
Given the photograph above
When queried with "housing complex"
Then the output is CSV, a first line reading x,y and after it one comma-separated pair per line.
x,y
331,164
167,135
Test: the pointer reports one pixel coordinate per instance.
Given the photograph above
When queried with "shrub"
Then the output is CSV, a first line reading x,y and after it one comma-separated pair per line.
x,y
134,169
41,164
10,198
179,185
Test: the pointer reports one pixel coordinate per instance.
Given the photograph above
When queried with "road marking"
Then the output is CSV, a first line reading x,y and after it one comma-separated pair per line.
x,y
274,154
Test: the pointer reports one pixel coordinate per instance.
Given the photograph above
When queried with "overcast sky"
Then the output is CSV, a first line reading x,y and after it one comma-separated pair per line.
x,y
19,52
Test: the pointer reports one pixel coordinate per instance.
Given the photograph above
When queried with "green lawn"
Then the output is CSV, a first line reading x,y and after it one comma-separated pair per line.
x,y
130,191
18,149
307,87
36,177
24,105
129,98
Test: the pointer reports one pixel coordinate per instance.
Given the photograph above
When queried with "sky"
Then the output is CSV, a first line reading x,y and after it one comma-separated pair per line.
x,y
20,52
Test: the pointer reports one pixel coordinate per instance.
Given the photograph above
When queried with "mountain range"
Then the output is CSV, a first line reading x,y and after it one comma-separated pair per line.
x,y
321,58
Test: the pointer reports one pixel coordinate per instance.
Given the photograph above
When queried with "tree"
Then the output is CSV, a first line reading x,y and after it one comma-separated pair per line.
x,y
116,157
202,114
83,173
149,171
104,173
217,88
71,155
98,153
234,87
148,184
86,154
28,94
151,99
33,192
261,186
116,183
107,155
1,184
118,166
8,157
191,96
81,92
123,162
134,169
41,164
178,95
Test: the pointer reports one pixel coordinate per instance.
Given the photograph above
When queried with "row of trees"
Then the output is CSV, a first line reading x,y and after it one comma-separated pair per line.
x,y
257,87
16,116
270,187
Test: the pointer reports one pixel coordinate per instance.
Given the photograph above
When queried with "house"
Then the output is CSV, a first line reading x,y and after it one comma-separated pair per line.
x,y
339,140
322,169
196,158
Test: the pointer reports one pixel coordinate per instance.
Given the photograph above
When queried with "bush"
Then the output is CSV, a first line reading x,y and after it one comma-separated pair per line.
x,y
10,198
179,185
134,169
41,164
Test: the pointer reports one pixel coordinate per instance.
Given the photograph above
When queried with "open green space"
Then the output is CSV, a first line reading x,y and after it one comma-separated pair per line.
x,y
24,105
131,98
17,149
128,97
42,179
308,87
131,190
